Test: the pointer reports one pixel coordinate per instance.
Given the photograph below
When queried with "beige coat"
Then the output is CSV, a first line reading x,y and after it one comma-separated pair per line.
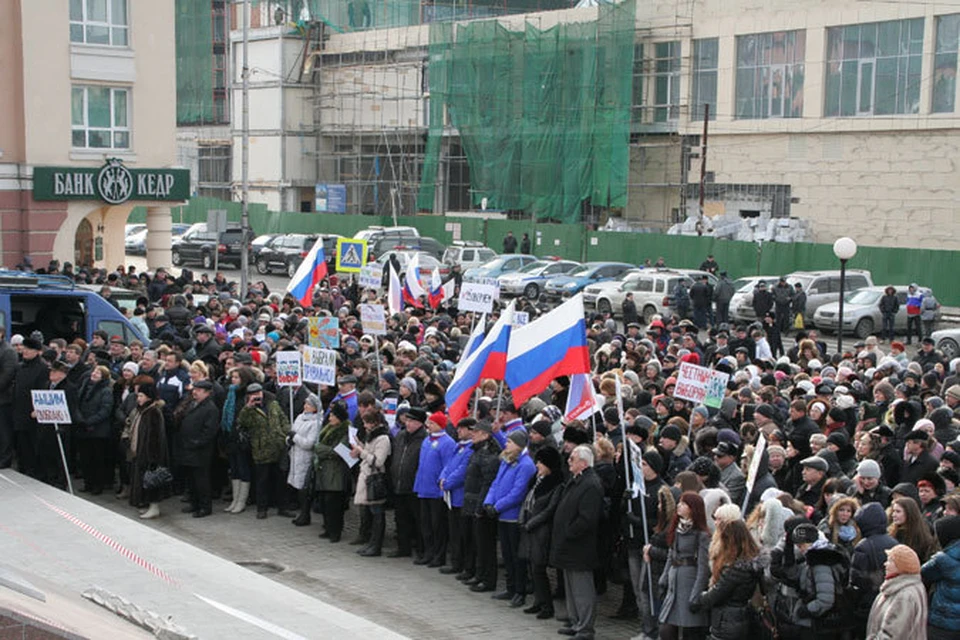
x,y
900,610
373,459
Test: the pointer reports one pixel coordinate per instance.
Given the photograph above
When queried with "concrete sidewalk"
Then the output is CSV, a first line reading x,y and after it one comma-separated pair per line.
x,y
66,545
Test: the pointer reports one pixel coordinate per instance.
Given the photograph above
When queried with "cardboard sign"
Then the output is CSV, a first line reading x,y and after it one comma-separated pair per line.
x,y
371,276
324,332
374,319
701,385
351,255
51,406
476,297
288,368
754,469
319,366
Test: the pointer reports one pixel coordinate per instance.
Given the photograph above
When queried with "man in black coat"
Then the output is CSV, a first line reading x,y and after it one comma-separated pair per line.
x,y
32,374
49,462
481,472
919,463
701,297
198,435
629,310
573,547
8,370
762,300
405,460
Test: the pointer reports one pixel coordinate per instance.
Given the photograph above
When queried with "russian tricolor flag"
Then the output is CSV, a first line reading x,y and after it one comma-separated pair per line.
x,y
412,289
582,399
486,360
311,271
437,293
394,295
554,345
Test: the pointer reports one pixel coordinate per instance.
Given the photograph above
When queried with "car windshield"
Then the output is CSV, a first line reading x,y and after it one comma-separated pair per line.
x,y
533,267
581,270
743,284
863,296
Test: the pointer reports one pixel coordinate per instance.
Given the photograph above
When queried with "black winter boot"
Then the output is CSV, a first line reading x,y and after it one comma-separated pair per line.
x,y
304,498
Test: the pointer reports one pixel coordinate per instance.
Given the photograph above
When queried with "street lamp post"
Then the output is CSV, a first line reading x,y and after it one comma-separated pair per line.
x,y
844,248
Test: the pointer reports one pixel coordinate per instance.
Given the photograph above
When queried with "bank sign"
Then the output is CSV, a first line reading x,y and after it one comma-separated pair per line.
x,y
112,183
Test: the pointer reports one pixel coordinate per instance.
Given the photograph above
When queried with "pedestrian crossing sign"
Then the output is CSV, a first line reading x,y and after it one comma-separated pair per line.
x,y
351,255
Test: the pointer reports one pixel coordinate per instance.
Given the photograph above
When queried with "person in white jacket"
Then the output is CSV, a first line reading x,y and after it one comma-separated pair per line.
x,y
301,440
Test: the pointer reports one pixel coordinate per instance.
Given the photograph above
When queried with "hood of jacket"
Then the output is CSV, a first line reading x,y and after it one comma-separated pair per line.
x,y
871,519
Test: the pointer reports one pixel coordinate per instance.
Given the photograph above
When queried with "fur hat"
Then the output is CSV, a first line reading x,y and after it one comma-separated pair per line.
x,y
905,559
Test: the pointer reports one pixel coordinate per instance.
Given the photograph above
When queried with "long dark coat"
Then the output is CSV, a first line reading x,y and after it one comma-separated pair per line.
x,y
536,518
575,524
198,433
151,451
96,410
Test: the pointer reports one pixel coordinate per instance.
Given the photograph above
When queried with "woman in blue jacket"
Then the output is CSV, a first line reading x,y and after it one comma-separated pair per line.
x,y
942,571
503,502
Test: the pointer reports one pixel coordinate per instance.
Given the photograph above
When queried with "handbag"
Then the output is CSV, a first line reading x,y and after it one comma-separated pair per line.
x,y
157,478
798,321
377,489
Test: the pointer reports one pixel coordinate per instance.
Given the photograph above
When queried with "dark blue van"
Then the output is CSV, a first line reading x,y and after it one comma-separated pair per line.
x,y
58,308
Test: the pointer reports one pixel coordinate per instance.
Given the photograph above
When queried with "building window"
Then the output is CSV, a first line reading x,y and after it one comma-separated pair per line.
x,y
945,64
637,100
704,89
874,69
770,75
99,22
100,118
666,101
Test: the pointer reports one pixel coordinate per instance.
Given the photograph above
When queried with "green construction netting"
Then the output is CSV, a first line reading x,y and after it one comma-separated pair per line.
x,y
194,44
543,115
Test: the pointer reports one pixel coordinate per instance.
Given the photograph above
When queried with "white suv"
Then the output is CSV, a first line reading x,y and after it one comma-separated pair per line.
x,y
467,254
651,289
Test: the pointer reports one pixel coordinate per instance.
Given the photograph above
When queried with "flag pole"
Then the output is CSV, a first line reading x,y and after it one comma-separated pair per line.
x,y
376,347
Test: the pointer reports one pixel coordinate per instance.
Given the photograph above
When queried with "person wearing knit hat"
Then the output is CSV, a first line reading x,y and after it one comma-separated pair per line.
x,y
436,451
653,460
900,609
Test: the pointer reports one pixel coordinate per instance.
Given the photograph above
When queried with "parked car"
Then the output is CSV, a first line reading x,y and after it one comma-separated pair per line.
x,y
583,276
499,266
257,244
821,287
861,311
199,245
650,287
130,229
529,280
285,253
136,243
947,341
468,254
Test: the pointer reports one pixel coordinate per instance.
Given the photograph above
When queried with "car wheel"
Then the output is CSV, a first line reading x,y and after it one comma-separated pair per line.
x,y
531,291
175,258
864,328
648,312
207,261
949,347
262,267
291,269
603,306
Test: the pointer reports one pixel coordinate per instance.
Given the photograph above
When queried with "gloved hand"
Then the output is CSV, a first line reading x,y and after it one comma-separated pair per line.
x,y
695,606
802,611
491,511
289,440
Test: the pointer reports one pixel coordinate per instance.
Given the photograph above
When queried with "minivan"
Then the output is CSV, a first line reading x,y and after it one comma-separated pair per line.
x,y
58,308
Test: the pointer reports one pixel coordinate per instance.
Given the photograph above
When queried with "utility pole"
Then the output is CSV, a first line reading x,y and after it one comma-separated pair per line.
x,y
245,153
703,165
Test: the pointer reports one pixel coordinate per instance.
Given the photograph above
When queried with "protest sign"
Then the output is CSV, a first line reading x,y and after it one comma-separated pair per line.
x,y
371,276
701,385
324,332
476,297
520,318
319,366
373,319
390,411
50,406
288,368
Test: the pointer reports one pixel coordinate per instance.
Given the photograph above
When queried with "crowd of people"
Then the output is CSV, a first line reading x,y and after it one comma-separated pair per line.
x,y
819,497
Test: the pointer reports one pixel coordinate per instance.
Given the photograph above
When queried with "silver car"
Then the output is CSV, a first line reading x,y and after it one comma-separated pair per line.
x,y
529,280
650,288
948,342
861,311
820,287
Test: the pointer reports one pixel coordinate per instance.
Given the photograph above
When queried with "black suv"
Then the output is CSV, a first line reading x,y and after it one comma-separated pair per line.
x,y
286,252
199,245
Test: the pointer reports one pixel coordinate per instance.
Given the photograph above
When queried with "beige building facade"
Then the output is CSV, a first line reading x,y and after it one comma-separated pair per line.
x,y
84,81
842,114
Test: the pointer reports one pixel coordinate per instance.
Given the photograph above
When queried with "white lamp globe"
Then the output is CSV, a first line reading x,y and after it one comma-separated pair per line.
x,y
845,248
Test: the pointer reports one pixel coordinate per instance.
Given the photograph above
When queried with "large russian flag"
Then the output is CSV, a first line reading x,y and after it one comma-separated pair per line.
x,y
487,360
311,271
554,345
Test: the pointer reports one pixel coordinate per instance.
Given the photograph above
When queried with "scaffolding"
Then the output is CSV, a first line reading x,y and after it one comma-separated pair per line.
x,y
536,116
